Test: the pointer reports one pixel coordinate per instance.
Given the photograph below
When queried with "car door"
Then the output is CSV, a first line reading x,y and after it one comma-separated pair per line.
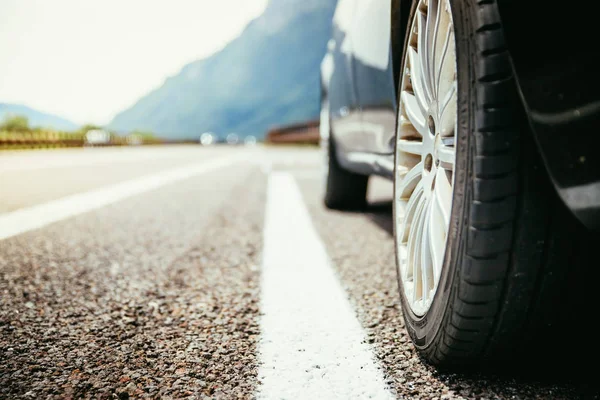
x,y
373,74
344,110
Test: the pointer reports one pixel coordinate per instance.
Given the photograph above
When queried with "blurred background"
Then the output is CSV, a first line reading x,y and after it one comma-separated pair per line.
x,y
78,73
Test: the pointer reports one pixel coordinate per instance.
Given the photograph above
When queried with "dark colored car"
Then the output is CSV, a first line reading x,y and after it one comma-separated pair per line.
x,y
485,114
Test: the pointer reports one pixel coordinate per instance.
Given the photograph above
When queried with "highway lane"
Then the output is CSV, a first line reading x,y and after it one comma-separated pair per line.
x,y
163,292
29,178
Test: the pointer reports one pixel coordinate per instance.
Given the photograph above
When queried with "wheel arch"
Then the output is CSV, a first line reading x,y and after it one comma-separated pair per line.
x,y
560,96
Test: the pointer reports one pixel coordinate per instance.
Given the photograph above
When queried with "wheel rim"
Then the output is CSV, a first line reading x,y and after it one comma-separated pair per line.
x,y
425,152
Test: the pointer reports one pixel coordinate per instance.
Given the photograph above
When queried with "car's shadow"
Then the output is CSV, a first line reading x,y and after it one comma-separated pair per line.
x,y
381,213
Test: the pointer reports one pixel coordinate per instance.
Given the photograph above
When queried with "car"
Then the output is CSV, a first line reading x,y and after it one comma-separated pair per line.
x,y
207,138
233,139
97,137
485,116
250,140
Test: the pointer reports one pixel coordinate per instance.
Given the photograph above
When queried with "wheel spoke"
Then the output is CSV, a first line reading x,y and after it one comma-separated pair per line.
x,y
433,24
426,261
410,146
409,181
446,155
448,98
410,246
443,195
410,211
422,52
416,79
436,241
413,112
448,113
406,130
414,254
444,57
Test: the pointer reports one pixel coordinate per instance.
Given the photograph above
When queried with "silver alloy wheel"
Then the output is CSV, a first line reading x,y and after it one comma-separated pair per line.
x,y
425,152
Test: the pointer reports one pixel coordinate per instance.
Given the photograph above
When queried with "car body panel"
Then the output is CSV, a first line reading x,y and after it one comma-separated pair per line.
x,y
344,113
373,74
360,87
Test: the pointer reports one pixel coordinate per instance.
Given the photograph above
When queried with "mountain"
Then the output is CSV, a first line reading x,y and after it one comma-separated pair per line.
x,y
37,118
267,76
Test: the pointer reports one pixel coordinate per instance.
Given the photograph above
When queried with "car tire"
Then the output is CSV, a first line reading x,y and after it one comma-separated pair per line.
x,y
344,190
510,245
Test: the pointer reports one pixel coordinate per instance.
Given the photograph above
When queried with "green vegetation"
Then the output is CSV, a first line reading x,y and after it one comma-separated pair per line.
x,y
15,123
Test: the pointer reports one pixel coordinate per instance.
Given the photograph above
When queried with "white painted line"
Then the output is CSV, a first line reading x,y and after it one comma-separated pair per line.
x,y
38,216
312,346
35,160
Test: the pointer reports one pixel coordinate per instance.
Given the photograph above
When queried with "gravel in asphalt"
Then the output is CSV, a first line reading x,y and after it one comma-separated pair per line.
x,y
152,297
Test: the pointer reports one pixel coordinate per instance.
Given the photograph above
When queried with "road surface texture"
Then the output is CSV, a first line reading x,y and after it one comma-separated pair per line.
x,y
194,272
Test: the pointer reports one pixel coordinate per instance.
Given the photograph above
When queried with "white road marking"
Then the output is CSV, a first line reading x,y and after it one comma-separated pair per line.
x,y
67,158
312,346
38,216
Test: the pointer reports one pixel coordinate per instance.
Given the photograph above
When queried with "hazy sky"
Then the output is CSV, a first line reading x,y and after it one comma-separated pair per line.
x,y
87,60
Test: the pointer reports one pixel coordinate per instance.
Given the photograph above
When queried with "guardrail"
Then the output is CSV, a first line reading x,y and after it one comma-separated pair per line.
x,y
52,140
42,139
300,133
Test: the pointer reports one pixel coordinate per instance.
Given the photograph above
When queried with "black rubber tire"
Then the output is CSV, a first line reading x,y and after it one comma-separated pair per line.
x,y
505,287
344,190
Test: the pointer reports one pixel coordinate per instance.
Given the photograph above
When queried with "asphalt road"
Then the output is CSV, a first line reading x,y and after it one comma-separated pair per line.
x,y
190,272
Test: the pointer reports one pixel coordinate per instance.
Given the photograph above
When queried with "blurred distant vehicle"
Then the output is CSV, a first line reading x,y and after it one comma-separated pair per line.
x,y
97,137
233,139
250,140
487,123
207,138
134,139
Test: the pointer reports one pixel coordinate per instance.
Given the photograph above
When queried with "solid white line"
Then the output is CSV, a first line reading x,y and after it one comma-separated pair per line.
x,y
312,346
38,216
37,159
